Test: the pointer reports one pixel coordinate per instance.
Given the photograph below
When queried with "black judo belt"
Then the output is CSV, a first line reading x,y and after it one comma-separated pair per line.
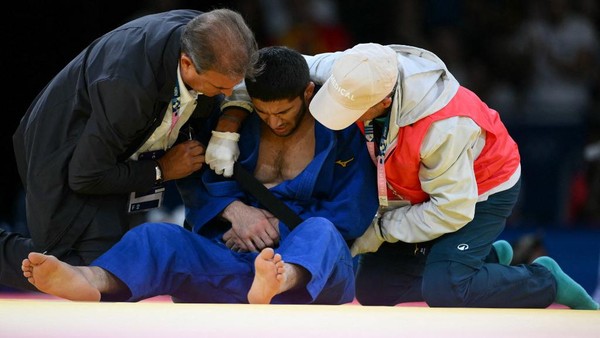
x,y
265,197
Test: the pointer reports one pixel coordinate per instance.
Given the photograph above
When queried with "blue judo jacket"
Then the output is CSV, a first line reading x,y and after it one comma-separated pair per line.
x,y
335,195
339,184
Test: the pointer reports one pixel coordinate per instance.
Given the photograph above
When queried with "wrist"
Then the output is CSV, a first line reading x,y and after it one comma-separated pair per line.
x,y
228,135
383,231
227,125
228,212
158,173
231,120
377,226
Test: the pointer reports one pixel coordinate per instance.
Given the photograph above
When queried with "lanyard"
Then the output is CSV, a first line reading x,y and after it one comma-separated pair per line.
x,y
175,106
379,157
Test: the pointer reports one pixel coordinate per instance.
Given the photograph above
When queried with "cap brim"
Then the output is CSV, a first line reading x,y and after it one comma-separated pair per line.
x,y
330,113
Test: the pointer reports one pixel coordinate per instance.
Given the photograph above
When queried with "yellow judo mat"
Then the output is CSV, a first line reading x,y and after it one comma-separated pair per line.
x,y
59,318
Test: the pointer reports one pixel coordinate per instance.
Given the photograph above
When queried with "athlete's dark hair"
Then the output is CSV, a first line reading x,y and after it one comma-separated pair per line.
x,y
284,75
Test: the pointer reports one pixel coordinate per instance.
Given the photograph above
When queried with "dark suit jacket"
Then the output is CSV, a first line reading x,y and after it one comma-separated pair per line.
x,y
73,143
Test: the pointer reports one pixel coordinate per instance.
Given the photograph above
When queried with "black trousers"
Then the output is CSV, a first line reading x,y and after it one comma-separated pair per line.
x,y
99,236
13,249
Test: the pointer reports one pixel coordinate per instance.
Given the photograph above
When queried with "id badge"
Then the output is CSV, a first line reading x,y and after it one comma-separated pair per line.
x,y
146,200
151,199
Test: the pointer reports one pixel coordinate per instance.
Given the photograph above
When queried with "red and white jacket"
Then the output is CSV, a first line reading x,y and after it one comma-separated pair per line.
x,y
446,149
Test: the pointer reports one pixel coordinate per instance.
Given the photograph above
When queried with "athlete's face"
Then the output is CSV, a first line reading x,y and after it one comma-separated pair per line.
x,y
282,116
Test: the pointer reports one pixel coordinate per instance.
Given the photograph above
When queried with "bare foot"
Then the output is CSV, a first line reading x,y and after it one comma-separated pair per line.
x,y
51,276
269,277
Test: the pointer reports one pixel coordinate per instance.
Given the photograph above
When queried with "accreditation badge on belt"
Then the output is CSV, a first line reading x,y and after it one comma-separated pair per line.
x,y
151,199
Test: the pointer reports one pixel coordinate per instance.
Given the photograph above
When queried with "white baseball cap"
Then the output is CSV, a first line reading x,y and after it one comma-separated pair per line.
x,y
361,77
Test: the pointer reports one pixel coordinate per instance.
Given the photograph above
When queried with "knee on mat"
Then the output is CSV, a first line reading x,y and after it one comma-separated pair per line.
x,y
373,297
446,285
371,291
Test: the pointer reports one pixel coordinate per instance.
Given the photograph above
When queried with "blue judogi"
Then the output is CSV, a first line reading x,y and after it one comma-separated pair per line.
x,y
335,195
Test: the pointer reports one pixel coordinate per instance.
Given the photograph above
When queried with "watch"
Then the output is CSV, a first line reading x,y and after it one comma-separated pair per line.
x,y
158,172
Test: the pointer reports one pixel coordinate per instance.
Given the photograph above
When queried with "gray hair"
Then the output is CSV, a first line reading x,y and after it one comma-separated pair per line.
x,y
221,41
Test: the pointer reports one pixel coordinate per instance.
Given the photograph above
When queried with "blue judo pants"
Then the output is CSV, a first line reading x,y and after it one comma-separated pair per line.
x,y
460,270
165,259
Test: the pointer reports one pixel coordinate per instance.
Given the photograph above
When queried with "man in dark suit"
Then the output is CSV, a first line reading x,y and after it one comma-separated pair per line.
x,y
99,141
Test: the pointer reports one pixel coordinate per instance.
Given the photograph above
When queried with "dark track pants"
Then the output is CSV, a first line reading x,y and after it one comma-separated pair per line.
x,y
459,270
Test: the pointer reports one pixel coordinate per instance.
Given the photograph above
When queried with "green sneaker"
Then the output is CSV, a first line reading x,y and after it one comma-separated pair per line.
x,y
568,291
504,251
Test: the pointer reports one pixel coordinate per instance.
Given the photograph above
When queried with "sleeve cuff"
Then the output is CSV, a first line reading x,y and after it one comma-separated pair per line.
x,y
239,104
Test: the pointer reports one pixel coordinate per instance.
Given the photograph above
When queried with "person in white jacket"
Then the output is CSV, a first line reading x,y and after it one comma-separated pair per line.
x,y
448,179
